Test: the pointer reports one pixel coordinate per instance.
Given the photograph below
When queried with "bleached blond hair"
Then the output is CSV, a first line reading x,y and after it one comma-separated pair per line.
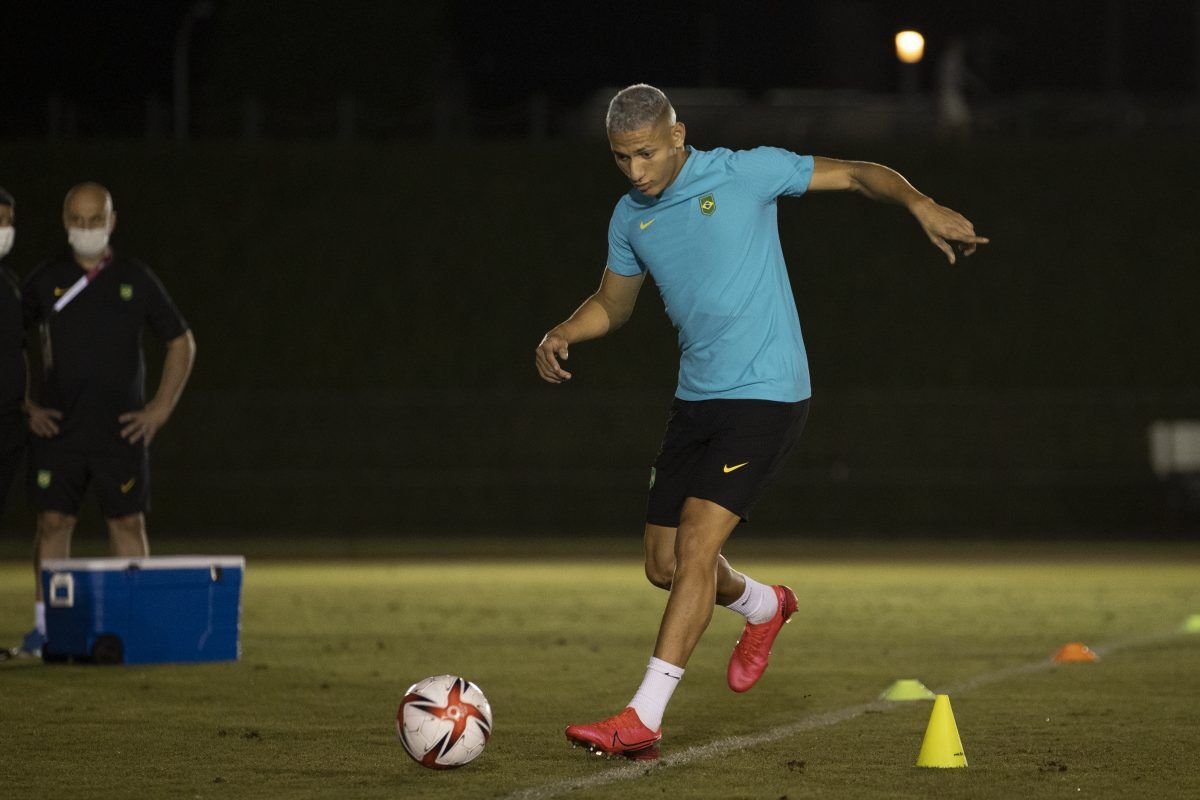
x,y
636,107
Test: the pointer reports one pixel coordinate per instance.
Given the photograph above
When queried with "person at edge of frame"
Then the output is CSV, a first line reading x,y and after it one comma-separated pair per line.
x,y
13,430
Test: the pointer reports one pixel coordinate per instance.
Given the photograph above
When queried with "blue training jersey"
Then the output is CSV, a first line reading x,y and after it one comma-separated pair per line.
x,y
711,242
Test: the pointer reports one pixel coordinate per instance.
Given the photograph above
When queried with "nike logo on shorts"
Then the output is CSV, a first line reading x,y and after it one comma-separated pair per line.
x,y
729,469
127,485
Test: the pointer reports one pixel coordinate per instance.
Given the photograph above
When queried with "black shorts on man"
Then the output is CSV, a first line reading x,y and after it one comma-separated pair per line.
x,y
724,451
58,478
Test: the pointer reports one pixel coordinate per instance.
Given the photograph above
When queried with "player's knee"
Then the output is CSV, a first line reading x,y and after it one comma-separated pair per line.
x,y
130,525
54,526
696,553
698,540
659,573
127,535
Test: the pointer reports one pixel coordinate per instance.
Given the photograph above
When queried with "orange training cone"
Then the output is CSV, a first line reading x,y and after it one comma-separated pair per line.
x,y
1075,653
941,747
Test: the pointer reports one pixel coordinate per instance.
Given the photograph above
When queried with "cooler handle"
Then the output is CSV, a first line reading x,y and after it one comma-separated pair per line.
x,y
59,581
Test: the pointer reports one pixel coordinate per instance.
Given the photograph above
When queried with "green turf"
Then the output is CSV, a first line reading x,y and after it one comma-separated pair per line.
x,y
330,647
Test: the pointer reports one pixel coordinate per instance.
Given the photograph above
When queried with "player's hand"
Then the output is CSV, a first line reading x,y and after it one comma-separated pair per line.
x,y
552,348
43,421
947,229
140,426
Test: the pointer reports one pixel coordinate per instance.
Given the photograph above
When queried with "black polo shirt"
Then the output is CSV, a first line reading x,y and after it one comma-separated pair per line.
x,y
12,343
94,366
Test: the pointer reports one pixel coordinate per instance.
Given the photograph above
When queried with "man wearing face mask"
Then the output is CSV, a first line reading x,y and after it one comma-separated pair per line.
x,y
91,423
13,431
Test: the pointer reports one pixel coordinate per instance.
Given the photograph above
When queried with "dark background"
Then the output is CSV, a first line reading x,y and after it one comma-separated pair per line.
x,y
378,208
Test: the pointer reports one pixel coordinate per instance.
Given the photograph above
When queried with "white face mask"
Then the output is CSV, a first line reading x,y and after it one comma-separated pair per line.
x,y
7,234
88,242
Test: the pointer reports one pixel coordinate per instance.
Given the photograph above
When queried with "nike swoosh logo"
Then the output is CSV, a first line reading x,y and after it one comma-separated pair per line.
x,y
643,743
644,225
729,469
125,487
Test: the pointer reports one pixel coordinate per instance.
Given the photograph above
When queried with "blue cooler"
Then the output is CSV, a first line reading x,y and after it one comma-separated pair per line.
x,y
143,610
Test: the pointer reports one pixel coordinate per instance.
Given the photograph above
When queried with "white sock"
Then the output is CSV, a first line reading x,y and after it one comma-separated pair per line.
x,y
39,617
655,692
757,604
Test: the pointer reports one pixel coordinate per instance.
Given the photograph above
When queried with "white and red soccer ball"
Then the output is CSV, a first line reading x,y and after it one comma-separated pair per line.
x,y
444,722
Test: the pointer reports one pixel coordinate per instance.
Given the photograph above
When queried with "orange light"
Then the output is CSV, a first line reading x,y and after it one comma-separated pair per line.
x,y
910,46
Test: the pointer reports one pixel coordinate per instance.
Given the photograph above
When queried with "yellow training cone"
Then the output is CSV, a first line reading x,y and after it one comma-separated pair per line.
x,y
942,747
906,689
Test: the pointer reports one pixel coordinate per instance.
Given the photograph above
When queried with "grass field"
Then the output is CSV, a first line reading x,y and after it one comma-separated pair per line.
x,y
330,646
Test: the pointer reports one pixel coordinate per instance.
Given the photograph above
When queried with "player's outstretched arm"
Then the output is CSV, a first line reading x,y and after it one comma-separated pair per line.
x,y
946,228
606,310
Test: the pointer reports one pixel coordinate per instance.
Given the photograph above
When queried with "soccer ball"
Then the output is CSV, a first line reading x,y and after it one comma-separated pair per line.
x,y
444,722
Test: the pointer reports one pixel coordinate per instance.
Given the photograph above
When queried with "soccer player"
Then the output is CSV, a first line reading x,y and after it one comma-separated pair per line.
x,y
703,223
13,431
92,424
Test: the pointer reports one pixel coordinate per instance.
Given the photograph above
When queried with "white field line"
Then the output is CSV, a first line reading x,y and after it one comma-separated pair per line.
x,y
635,769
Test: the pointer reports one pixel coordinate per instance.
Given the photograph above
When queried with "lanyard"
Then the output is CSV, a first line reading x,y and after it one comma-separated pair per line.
x,y
81,284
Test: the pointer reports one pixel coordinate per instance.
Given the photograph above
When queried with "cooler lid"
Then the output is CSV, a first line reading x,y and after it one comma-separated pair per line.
x,y
118,564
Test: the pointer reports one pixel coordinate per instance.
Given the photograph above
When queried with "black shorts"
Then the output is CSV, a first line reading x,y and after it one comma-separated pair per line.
x,y
726,451
58,479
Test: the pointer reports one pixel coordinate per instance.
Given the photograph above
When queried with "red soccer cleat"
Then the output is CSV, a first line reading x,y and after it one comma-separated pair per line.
x,y
749,659
623,734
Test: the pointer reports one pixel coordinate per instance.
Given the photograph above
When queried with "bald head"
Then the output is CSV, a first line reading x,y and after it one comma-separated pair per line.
x,y
88,206
89,194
